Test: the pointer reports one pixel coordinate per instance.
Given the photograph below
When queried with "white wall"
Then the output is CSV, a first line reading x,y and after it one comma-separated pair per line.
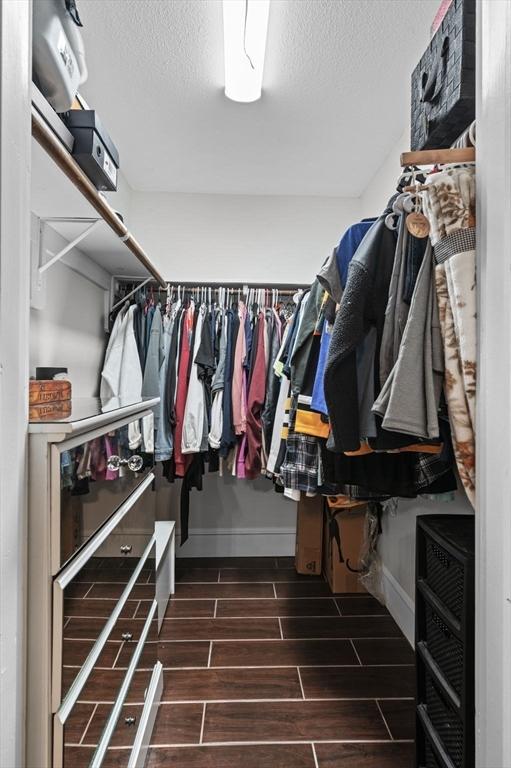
x,y
383,184
493,449
232,517
69,331
14,279
240,237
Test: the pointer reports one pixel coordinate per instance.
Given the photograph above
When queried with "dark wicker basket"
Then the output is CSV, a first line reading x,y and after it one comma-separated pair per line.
x,y
444,641
443,83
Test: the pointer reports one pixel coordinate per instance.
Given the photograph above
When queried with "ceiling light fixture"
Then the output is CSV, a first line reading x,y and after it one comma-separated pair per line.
x,y
245,32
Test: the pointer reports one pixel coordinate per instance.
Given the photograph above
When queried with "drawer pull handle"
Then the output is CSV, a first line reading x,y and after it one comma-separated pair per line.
x,y
130,720
126,549
127,635
135,463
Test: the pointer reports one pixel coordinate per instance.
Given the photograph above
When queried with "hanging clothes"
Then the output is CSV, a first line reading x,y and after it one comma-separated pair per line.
x,y
164,442
194,412
410,397
205,361
272,384
186,337
110,375
449,204
130,380
228,435
239,394
363,305
396,312
334,272
255,402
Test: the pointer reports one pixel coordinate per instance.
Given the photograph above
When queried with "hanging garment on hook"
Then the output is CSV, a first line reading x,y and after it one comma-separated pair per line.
x,y
193,420
255,402
110,375
409,399
188,323
363,305
228,435
239,404
205,361
130,387
154,360
272,382
219,377
164,441
305,335
396,312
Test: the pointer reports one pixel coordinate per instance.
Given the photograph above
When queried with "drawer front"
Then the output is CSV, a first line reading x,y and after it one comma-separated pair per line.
x,y
445,576
90,479
445,721
445,648
99,596
108,709
431,759
430,750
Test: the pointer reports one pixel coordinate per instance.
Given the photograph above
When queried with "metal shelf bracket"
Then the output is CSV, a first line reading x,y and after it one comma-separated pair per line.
x,y
55,257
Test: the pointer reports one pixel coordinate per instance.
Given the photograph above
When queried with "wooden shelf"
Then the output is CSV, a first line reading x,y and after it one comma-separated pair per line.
x,y
60,189
439,156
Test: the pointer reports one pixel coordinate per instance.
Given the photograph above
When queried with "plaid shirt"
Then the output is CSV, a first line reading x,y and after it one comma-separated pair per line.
x,y
299,470
429,468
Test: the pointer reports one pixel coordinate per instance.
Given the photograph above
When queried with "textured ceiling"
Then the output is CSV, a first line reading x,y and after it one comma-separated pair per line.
x,y
335,93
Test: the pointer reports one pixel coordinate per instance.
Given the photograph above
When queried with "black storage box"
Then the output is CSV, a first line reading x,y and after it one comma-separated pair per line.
x,y
444,641
444,81
93,150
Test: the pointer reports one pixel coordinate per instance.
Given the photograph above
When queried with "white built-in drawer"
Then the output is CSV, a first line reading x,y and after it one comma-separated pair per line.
x,y
101,598
85,492
87,732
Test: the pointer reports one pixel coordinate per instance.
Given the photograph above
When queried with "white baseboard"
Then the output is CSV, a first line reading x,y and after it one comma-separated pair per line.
x,y
237,542
400,605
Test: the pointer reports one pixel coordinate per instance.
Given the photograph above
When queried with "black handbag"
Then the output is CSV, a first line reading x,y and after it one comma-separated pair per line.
x,y
443,82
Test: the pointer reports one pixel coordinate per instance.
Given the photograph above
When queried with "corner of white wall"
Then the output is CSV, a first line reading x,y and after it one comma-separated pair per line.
x,y
15,65
383,183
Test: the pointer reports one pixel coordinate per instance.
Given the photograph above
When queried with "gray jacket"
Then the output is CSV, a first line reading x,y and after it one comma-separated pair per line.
x,y
409,400
153,362
305,335
397,310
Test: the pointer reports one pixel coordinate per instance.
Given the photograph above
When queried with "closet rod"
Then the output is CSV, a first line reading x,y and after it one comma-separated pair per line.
x,y
439,156
128,295
219,284
52,146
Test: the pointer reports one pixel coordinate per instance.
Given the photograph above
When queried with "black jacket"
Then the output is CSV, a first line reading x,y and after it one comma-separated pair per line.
x,y
363,305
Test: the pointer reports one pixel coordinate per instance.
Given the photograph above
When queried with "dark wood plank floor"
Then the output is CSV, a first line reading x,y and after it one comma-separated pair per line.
x,y
264,668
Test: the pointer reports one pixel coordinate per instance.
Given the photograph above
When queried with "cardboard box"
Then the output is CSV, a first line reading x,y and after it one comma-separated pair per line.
x,y
309,535
351,525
